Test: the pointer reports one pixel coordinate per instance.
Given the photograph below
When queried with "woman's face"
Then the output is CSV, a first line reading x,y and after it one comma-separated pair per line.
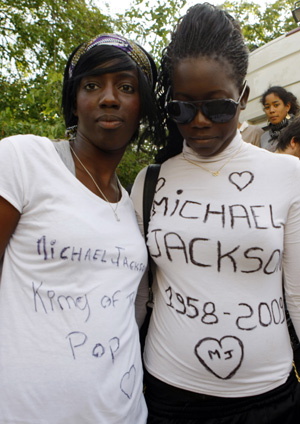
x,y
206,79
275,108
108,109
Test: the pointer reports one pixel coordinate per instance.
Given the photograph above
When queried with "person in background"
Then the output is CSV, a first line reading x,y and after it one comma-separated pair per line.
x,y
73,252
280,106
218,348
289,139
289,143
250,133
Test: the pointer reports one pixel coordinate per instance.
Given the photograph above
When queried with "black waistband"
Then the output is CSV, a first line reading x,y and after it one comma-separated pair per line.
x,y
165,397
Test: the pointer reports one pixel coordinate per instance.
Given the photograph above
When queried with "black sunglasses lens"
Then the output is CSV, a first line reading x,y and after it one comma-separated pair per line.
x,y
181,112
219,111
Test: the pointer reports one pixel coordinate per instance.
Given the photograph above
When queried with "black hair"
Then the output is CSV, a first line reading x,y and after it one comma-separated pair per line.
x,y
284,95
286,135
105,59
205,31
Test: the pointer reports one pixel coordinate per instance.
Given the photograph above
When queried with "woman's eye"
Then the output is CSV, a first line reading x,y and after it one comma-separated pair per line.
x,y
90,86
127,88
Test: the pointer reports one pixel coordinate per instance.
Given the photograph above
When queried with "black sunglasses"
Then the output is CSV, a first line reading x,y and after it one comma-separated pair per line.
x,y
216,110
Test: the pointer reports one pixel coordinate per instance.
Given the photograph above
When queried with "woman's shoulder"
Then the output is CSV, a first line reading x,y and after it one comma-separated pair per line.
x,y
265,131
265,135
270,160
138,185
24,140
29,149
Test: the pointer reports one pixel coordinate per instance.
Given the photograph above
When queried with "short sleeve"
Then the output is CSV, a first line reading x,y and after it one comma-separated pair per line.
x,y
11,178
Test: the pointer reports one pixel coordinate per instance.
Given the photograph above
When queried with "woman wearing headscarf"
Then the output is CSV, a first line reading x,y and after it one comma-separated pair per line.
x,y
73,253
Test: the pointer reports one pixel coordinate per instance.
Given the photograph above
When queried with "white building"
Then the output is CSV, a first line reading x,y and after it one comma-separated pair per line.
x,y
275,63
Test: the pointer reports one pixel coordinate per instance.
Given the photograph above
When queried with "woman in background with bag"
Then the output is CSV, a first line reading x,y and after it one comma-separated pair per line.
x,y
218,348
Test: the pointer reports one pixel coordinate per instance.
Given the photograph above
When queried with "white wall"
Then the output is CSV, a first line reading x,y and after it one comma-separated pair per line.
x,y
275,63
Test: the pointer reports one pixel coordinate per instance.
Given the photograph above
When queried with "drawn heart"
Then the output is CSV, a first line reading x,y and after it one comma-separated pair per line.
x,y
221,357
127,382
241,179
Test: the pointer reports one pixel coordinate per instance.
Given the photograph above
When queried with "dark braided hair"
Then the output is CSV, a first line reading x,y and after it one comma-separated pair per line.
x,y
205,31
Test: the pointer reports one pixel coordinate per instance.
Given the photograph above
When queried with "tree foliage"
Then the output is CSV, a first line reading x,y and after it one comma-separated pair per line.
x,y
133,161
150,22
261,26
36,34
36,38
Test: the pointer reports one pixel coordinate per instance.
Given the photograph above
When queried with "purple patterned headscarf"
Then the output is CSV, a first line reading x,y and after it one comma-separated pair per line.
x,y
131,48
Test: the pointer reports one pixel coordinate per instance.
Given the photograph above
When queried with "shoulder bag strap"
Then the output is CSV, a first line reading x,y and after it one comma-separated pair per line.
x,y
148,195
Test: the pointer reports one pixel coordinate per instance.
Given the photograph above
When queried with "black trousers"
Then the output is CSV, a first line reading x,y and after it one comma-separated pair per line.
x,y
170,405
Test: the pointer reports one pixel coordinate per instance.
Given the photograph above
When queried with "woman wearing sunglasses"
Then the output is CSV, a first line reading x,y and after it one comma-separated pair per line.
x,y
218,348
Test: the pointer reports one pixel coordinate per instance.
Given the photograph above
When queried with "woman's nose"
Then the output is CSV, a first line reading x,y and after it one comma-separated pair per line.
x,y
109,97
272,109
200,119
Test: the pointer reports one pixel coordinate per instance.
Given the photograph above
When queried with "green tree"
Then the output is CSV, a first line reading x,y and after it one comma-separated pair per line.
x,y
261,26
133,161
150,22
36,37
38,34
32,106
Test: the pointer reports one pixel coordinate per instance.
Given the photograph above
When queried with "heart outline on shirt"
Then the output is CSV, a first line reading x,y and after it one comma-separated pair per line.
x,y
241,179
128,381
220,362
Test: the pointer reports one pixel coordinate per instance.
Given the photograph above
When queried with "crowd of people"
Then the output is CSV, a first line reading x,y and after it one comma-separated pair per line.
x,y
223,242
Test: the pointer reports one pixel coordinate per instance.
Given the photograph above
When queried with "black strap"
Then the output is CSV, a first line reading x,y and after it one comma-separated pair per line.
x,y
148,194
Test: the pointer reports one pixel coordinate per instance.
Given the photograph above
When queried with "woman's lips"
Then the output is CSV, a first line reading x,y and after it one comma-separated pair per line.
x,y
109,121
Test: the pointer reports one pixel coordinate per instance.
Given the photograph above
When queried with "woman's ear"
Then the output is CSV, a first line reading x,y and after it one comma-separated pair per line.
x,y
288,106
293,143
244,99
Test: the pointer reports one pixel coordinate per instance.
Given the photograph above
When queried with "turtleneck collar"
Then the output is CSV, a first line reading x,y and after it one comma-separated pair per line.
x,y
230,150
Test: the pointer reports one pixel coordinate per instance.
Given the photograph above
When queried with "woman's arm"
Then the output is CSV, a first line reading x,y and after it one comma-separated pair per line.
x,y
291,254
9,218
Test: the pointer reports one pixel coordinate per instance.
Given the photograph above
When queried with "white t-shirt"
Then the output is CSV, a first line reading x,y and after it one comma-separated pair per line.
x,y
218,243
69,343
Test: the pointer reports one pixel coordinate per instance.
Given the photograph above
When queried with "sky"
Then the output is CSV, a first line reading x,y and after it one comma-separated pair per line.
x,y
119,6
